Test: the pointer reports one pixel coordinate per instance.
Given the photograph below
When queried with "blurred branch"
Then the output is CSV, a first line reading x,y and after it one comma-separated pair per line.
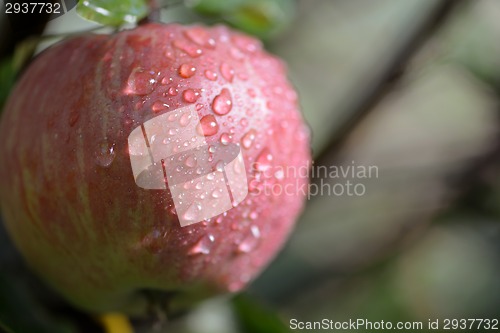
x,y
398,63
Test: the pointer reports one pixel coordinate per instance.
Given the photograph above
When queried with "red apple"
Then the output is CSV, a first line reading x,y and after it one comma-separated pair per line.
x,y
67,190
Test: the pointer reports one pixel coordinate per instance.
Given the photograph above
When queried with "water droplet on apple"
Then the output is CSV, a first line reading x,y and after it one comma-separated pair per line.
x,y
244,122
222,103
192,212
219,166
246,43
105,154
212,76
208,126
200,36
159,106
263,161
166,80
202,246
216,193
251,241
248,139
225,138
184,119
187,70
140,82
190,95
190,161
192,50
227,72
172,91
236,54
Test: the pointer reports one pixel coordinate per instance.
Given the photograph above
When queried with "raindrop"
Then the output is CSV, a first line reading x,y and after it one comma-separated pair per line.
x,y
172,91
140,82
216,193
212,76
208,125
246,43
172,117
222,103
190,95
202,246
187,70
166,80
227,72
225,138
251,241
105,154
192,212
200,36
185,119
190,49
170,55
190,161
159,106
236,54
248,139
219,166
263,161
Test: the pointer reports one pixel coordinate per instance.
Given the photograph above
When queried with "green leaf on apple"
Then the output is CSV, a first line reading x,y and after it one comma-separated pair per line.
x,y
112,12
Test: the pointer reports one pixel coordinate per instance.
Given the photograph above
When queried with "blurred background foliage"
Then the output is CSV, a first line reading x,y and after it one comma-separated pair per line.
x,y
411,87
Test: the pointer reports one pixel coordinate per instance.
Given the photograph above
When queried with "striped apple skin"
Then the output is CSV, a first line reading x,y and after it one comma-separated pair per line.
x,y
68,196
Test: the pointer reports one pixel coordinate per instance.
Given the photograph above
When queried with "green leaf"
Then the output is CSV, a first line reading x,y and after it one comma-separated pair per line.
x,y
262,18
214,7
254,317
11,66
112,12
